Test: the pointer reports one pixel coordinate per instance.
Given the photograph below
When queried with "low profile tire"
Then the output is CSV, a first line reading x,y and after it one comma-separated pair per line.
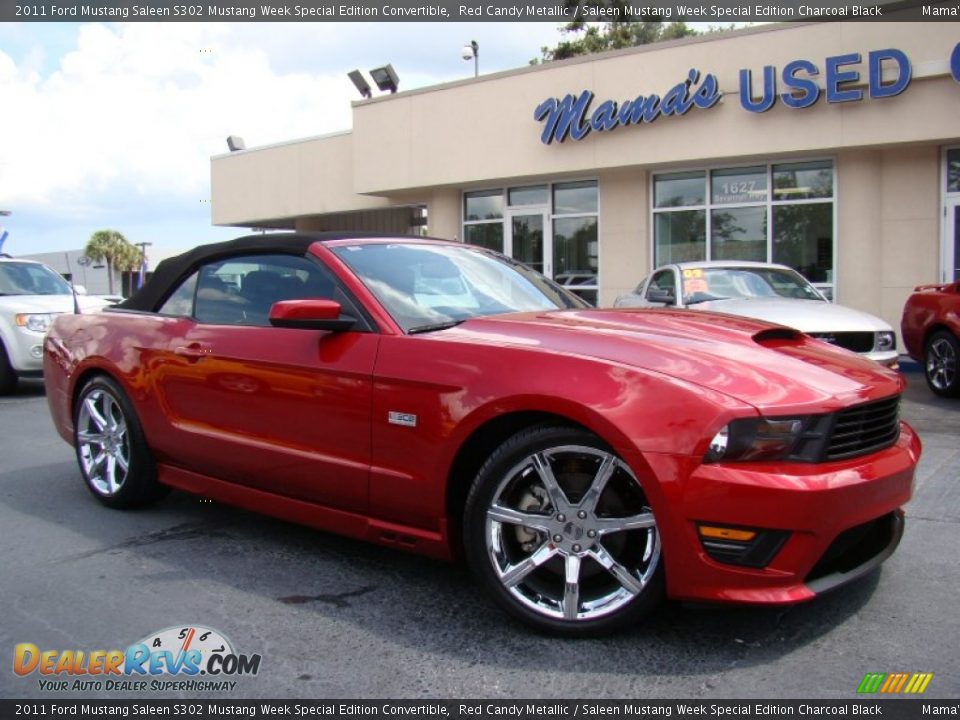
x,y
559,532
8,377
114,458
940,364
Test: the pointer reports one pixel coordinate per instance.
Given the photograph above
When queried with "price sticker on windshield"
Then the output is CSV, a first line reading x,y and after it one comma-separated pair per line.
x,y
695,285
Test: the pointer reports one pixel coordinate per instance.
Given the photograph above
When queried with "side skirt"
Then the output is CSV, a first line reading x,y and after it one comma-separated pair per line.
x,y
341,522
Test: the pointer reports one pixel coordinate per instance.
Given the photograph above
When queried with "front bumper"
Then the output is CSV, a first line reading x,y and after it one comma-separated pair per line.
x,y
25,351
887,358
821,506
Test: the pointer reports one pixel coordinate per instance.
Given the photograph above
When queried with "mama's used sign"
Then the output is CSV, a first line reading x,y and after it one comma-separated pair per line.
x,y
888,74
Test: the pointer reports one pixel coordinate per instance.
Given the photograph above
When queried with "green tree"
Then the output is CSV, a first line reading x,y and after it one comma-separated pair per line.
x,y
111,247
582,38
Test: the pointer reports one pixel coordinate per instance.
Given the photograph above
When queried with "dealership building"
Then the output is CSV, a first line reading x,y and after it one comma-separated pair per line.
x,y
830,147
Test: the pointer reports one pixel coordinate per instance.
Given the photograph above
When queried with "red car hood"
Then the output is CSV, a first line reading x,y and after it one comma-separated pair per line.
x,y
775,369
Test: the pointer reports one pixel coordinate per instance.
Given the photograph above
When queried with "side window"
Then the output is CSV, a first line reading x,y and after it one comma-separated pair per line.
x,y
241,290
181,302
662,281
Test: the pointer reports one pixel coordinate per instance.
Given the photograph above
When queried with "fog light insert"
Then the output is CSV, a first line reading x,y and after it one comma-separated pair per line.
x,y
37,351
747,547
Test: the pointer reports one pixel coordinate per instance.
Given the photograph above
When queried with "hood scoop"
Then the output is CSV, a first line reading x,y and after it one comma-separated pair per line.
x,y
771,336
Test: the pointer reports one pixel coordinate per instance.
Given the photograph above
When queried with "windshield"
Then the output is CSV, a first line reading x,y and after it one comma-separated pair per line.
x,y
20,278
705,284
428,287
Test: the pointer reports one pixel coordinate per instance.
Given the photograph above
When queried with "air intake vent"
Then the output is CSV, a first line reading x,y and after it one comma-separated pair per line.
x,y
779,333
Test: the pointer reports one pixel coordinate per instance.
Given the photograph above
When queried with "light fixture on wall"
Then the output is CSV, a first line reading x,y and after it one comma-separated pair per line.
x,y
386,78
360,83
471,51
235,143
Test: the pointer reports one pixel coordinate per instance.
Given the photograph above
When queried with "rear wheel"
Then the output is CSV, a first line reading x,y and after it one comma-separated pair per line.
x,y
113,455
8,377
560,533
940,361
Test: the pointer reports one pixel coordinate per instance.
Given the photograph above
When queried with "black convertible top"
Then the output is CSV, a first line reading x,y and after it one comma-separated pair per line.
x,y
172,271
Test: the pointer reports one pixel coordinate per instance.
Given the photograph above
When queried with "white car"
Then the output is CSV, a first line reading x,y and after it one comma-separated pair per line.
x,y
31,294
775,293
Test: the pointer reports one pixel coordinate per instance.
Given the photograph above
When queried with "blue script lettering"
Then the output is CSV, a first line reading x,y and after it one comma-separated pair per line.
x,y
571,116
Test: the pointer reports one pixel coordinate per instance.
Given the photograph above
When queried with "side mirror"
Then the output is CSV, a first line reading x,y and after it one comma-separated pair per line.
x,y
311,314
667,297
79,289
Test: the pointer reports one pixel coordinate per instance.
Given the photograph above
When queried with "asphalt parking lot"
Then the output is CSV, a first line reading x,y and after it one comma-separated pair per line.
x,y
336,618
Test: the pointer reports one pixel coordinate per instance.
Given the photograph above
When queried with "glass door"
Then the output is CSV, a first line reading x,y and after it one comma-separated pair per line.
x,y
528,239
951,241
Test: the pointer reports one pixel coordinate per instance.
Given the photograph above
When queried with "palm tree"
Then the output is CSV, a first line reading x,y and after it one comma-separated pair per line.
x,y
112,247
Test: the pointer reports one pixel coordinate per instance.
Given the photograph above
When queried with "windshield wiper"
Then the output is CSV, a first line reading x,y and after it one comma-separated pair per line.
x,y
434,326
703,300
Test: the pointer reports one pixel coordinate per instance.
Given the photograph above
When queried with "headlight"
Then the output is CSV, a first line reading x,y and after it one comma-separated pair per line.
x,y
886,341
756,439
37,322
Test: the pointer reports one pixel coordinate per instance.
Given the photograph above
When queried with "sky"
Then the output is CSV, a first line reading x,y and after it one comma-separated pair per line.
x,y
112,125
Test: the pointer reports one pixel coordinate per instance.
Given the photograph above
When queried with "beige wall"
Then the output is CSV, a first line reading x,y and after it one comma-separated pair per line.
x,y
458,134
888,233
624,220
286,181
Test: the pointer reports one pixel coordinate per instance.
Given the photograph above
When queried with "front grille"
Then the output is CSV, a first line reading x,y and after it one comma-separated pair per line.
x,y
858,430
864,428
860,342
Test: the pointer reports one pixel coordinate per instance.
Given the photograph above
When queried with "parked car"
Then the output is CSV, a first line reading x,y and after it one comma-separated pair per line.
x,y
765,291
931,328
447,400
31,295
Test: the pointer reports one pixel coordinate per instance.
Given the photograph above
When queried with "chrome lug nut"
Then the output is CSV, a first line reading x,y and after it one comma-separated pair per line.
x,y
561,518
557,538
577,548
591,533
582,514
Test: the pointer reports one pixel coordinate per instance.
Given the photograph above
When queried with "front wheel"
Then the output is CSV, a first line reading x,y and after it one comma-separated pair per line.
x,y
940,362
559,531
113,455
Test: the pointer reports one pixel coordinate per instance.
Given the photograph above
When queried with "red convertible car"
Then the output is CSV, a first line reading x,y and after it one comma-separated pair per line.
x,y
444,399
931,328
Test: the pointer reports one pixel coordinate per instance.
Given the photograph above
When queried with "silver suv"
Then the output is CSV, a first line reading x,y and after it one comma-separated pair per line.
x,y
31,294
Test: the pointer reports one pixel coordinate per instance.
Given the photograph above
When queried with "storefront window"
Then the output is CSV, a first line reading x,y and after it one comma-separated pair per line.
x,y
484,205
768,213
536,195
488,235
680,236
739,185
739,233
803,239
953,171
802,181
679,189
578,197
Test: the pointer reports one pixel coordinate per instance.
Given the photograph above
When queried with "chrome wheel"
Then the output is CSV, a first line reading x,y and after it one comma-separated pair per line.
x,y
942,364
570,535
103,444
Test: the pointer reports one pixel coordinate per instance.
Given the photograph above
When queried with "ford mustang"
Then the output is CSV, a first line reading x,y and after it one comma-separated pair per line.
x,y
447,400
931,332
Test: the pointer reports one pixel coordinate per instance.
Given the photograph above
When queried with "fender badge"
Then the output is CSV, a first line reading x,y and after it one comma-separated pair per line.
x,y
401,418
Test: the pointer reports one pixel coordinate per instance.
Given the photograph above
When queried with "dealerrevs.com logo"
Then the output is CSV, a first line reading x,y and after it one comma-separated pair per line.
x,y
180,658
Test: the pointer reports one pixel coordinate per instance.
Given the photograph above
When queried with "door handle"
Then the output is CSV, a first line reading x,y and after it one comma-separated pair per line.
x,y
193,351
